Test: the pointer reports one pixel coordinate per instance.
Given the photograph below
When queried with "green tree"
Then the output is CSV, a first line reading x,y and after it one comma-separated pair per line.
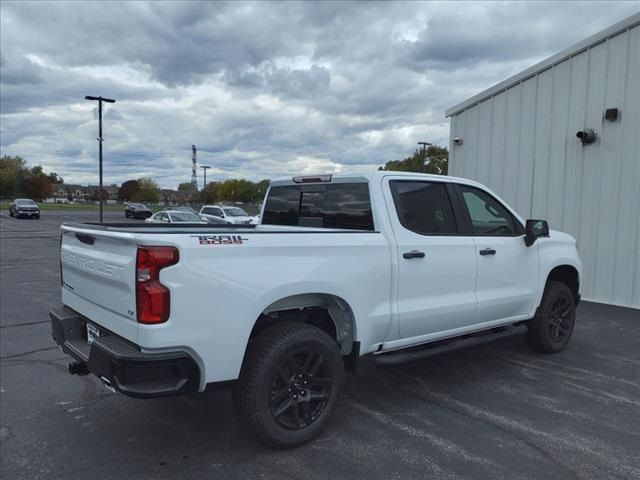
x,y
128,191
13,170
55,179
210,193
434,160
149,190
437,161
17,179
37,171
237,190
261,190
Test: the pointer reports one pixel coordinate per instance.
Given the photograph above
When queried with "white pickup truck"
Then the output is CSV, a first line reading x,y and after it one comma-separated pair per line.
x,y
402,266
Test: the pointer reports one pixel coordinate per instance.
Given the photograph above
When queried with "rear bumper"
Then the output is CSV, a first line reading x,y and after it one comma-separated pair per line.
x,y
121,363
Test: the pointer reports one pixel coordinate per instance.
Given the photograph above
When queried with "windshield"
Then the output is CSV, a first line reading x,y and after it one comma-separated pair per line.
x,y
211,211
185,217
138,205
235,212
186,209
25,202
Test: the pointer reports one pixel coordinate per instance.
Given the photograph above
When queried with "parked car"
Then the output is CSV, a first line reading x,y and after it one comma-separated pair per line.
x,y
398,265
174,216
24,207
231,215
137,210
184,208
213,220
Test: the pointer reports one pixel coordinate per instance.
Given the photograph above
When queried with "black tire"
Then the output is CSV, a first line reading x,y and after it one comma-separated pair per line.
x,y
37,217
290,383
10,213
126,214
551,329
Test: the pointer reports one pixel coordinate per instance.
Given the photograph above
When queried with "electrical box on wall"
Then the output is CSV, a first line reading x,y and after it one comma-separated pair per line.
x,y
611,114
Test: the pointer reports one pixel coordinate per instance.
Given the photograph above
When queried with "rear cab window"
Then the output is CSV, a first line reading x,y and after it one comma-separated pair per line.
x,y
339,206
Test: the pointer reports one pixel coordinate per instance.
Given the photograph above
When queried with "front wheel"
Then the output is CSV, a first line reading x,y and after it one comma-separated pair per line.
x,y
290,383
551,329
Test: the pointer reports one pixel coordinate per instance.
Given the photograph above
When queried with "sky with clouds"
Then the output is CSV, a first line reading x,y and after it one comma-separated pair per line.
x,y
262,89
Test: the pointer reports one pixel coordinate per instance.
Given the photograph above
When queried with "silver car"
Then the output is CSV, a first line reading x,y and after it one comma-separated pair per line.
x,y
174,216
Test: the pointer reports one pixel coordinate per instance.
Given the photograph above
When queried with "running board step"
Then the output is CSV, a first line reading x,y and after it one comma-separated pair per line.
x,y
401,357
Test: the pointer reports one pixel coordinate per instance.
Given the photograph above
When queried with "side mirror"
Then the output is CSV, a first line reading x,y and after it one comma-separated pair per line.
x,y
535,229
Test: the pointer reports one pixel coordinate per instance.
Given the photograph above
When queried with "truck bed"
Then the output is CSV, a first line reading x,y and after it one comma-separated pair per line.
x,y
142,227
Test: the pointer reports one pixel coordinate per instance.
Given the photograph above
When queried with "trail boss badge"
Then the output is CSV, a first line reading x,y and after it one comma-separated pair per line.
x,y
220,239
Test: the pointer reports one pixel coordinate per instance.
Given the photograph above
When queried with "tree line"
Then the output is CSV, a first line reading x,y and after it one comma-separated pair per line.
x,y
434,160
17,179
147,190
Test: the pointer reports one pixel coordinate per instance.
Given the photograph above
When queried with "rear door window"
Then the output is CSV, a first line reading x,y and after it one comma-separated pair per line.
x,y
340,205
423,207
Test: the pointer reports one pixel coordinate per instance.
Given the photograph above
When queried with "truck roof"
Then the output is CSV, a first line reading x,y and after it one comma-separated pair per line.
x,y
365,178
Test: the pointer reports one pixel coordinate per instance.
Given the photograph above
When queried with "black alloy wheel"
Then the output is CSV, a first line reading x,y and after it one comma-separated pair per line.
x,y
301,388
551,329
559,321
289,385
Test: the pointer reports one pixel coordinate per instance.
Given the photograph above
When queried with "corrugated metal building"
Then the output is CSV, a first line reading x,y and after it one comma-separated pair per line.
x,y
519,138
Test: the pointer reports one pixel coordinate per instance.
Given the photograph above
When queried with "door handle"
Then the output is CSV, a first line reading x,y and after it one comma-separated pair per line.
x,y
86,239
487,251
413,254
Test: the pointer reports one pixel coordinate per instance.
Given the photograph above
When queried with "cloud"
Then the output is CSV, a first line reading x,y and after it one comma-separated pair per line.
x,y
263,89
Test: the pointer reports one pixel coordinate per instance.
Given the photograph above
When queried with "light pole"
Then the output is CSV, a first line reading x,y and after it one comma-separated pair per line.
x,y
205,167
424,154
100,139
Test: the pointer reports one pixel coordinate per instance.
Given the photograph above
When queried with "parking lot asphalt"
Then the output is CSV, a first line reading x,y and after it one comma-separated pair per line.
x,y
498,411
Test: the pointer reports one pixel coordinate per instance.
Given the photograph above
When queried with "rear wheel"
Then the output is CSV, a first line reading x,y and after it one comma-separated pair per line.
x,y
551,329
290,383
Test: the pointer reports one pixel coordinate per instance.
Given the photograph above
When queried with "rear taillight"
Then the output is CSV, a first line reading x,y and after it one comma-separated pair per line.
x,y
152,297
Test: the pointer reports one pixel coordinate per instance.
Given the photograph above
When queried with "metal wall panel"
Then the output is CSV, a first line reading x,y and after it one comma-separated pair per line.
x,y
522,143
626,282
526,141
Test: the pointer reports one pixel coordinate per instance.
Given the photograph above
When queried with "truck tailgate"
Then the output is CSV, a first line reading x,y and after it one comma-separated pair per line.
x,y
98,277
